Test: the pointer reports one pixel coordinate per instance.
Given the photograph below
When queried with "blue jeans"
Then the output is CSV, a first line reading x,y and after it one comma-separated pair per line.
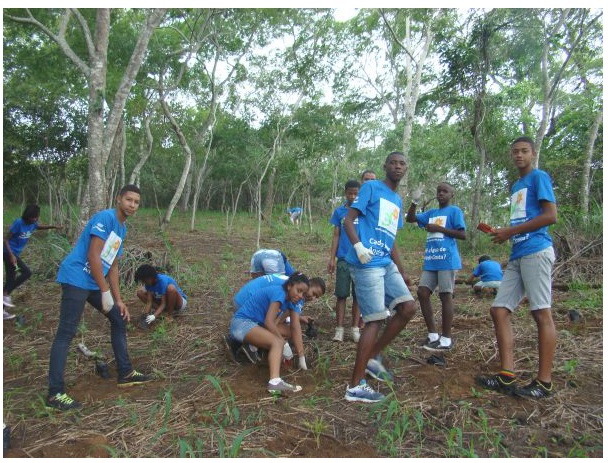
x,y
72,305
379,288
12,280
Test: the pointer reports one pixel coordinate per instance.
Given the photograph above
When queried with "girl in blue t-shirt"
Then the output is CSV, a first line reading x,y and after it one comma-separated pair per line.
x,y
160,292
15,240
257,322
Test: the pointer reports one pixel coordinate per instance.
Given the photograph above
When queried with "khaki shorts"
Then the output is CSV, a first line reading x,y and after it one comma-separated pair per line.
x,y
527,276
442,279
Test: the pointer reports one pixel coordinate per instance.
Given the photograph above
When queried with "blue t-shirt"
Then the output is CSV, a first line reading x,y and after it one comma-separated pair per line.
x,y
488,270
441,252
337,220
272,279
75,269
295,210
526,195
160,287
21,234
379,220
256,306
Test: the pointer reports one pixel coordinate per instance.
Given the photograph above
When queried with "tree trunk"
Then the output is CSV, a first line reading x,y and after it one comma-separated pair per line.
x,y
145,154
585,183
270,195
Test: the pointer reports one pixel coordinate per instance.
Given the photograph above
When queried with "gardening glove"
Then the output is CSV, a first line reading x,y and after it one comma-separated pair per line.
x,y
150,318
363,254
302,363
107,301
416,195
287,353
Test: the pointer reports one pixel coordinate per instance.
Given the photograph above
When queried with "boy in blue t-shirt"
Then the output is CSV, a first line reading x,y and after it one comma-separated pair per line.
x,y
15,240
489,273
89,273
528,273
161,292
441,261
380,280
340,246
295,215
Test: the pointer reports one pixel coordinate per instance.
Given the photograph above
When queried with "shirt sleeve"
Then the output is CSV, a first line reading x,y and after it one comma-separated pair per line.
x,y
458,218
422,219
14,228
477,271
363,198
102,226
544,188
335,219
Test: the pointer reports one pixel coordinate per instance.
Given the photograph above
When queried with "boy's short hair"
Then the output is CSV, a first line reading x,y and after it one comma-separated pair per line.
x,y
351,184
144,272
483,258
130,187
524,139
31,211
317,281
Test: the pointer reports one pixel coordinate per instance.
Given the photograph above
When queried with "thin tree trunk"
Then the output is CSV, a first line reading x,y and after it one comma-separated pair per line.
x,y
585,183
145,154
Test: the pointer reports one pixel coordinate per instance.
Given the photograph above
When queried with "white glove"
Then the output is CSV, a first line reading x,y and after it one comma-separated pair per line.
x,y
287,353
416,195
107,301
150,318
364,254
302,363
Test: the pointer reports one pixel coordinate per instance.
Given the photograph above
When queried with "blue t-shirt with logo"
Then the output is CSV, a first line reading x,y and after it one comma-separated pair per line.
x,y
21,232
256,305
380,218
488,270
441,252
160,287
75,269
526,195
337,220
272,279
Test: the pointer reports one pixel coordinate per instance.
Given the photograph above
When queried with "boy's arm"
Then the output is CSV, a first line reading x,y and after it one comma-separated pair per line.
x,y
349,225
50,227
94,258
397,260
148,306
411,213
547,217
458,234
331,264
115,288
161,305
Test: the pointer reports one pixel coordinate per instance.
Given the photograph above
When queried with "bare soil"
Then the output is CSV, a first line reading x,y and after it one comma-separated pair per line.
x,y
203,404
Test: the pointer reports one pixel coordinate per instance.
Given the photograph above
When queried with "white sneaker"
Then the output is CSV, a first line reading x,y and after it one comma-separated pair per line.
x,y
356,334
8,316
7,301
339,336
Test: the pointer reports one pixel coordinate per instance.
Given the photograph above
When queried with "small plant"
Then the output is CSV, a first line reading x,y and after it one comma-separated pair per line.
x,y
570,366
317,427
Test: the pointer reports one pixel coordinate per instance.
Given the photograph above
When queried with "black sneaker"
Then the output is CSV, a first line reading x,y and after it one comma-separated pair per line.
x,y
435,346
534,390
133,379
62,402
497,383
252,355
234,347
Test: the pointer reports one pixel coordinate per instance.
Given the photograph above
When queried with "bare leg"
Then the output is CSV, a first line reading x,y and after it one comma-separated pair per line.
x,y
364,350
404,313
340,308
174,299
356,313
264,339
424,297
447,314
546,343
501,317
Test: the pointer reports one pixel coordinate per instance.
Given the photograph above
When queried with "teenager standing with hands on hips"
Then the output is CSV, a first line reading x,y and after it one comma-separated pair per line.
x,y
89,273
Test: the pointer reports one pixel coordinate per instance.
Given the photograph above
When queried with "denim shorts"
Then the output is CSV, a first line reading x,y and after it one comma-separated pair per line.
x,y
530,276
267,261
378,288
239,327
344,282
488,284
440,279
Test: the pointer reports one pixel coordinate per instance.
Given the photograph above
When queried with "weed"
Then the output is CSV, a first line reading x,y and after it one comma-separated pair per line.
x,y
191,450
317,427
570,366
226,412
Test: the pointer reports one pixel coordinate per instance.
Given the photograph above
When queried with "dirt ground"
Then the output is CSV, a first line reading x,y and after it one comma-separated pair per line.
x,y
203,404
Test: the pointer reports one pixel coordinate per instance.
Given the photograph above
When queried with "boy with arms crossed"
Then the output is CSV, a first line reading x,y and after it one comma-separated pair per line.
x,y
377,272
82,275
528,272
